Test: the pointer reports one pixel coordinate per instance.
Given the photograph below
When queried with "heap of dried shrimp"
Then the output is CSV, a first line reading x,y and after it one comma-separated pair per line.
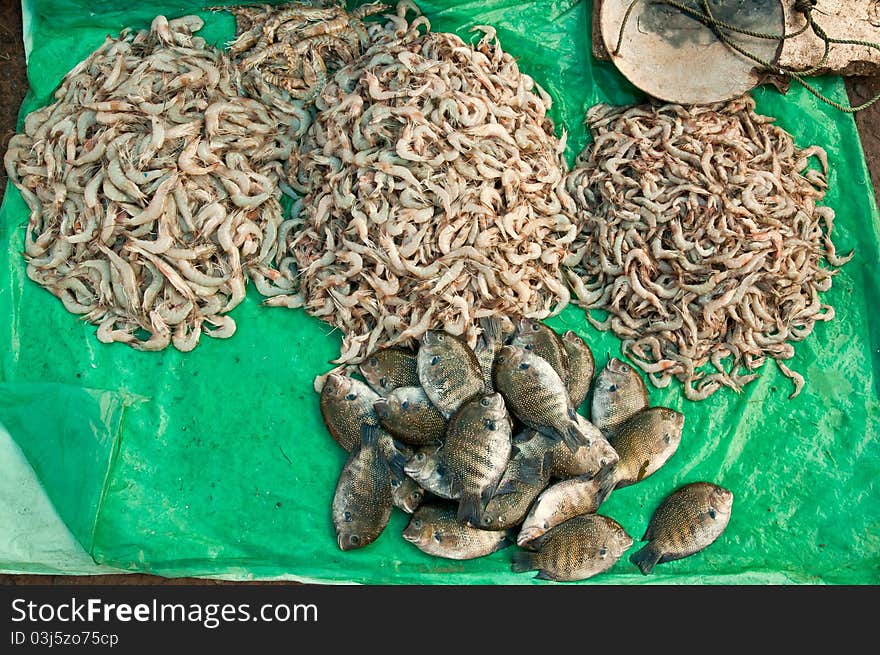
x,y
702,239
153,188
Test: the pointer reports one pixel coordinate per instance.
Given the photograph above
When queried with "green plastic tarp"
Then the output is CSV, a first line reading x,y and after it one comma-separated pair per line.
x,y
216,462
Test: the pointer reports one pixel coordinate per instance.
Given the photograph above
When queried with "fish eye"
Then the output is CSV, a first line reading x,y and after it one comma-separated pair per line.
x,y
417,524
441,471
434,360
546,525
528,347
523,366
437,536
440,336
603,552
612,387
396,483
374,362
490,425
711,513
383,381
417,495
667,438
536,327
351,396
355,539
346,516
420,457
404,404
500,359
484,402
603,462
487,520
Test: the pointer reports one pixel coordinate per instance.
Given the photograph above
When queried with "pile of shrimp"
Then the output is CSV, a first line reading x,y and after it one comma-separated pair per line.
x,y
701,238
432,192
286,52
153,189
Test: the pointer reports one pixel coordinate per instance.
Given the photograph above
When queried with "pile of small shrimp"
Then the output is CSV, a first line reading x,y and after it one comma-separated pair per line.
x,y
153,189
286,52
702,239
433,192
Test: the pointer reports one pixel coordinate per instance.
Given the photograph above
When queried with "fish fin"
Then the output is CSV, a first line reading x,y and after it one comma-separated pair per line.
x,y
508,487
642,470
469,509
606,486
645,558
522,561
543,575
574,438
491,329
369,435
532,470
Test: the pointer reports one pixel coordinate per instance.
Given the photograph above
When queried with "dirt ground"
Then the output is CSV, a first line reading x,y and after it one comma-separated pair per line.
x,y
13,86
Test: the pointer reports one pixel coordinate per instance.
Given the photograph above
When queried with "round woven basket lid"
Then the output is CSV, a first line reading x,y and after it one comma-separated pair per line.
x,y
674,57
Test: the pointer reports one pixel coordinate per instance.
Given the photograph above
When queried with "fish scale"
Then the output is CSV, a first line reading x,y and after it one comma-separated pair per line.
x,y
448,371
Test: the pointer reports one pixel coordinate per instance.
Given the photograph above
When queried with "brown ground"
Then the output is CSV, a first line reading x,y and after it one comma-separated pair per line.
x,y
13,86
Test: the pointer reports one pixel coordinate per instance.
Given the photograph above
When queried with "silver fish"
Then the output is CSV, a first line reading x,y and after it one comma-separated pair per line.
x,y
618,393
558,503
644,443
436,530
362,500
427,469
577,549
476,452
686,522
448,371
536,395
581,367
410,416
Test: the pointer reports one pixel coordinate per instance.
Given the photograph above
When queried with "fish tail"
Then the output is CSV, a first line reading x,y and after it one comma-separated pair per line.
x,y
645,558
491,329
469,509
522,561
574,438
396,462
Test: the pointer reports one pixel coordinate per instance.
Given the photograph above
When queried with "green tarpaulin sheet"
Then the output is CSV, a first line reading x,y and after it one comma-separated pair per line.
x,y
216,462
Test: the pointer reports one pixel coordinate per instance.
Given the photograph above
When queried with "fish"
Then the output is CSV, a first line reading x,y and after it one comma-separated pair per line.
x,y
543,341
448,371
644,443
586,461
387,369
409,415
526,476
362,501
435,529
576,549
476,451
581,367
406,494
427,469
618,393
687,521
347,405
536,395
490,342
558,503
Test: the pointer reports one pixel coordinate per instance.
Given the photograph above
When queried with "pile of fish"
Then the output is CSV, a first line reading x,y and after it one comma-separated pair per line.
x,y
286,52
701,237
485,448
153,188
433,192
